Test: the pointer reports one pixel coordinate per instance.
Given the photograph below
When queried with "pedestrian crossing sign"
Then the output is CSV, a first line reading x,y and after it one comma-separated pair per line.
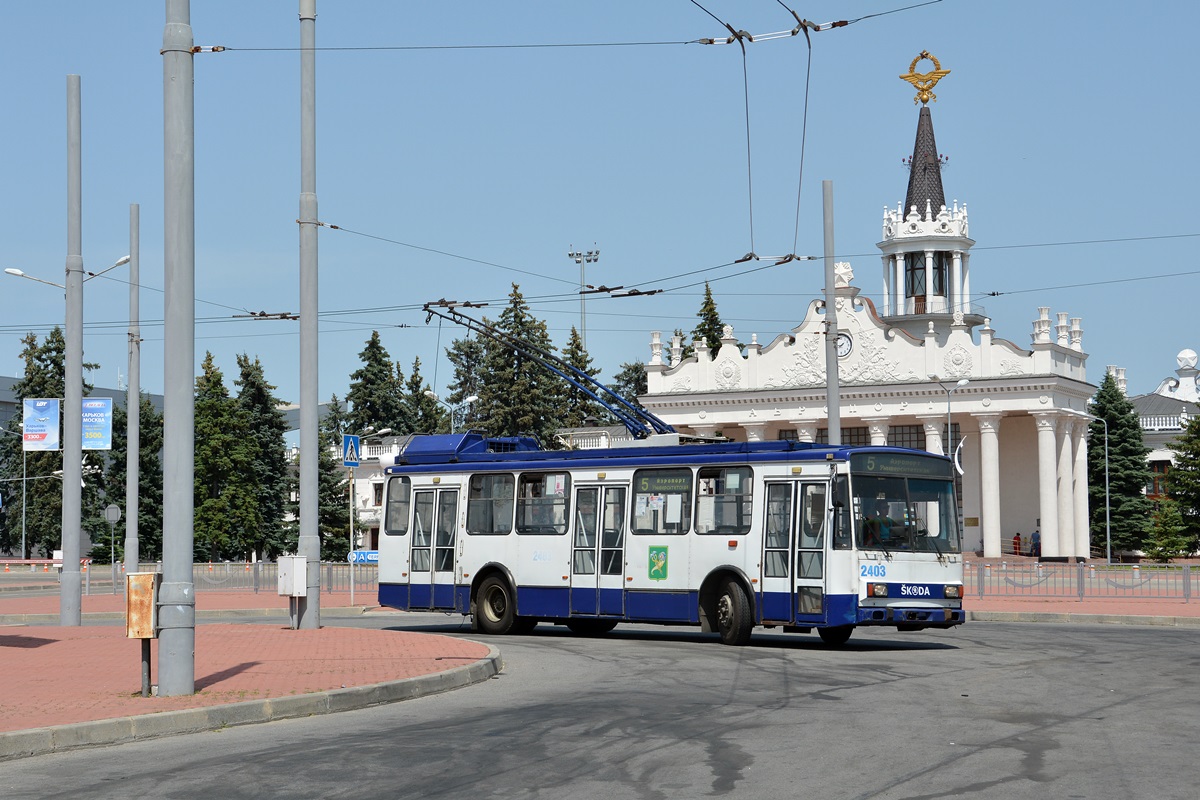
x,y
350,450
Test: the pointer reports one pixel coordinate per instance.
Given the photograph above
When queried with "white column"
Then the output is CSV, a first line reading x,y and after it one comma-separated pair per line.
x,y
1082,523
805,431
989,482
966,282
754,431
928,281
1065,489
901,304
956,302
1047,482
933,432
887,285
878,426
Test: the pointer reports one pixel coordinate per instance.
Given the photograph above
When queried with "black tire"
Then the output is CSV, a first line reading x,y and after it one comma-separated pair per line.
x,y
734,621
495,607
836,636
590,627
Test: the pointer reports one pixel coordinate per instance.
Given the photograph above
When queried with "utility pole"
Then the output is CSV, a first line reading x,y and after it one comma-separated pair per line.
x,y
177,597
133,400
308,608
832,386
582,259
70,598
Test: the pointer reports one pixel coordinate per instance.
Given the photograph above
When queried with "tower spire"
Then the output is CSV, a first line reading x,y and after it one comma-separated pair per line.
x,y
925,190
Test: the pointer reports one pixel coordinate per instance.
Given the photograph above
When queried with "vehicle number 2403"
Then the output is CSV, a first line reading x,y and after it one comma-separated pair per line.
x,y
873,570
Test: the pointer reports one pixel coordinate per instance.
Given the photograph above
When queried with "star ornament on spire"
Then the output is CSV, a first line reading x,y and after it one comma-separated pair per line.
x,y
925,81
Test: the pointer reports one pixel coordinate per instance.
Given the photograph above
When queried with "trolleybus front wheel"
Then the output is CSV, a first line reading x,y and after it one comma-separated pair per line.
x,y
590,627
835,636
734,621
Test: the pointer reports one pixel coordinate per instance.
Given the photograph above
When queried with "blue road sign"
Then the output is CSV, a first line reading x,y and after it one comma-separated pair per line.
x,y
350,450
363,557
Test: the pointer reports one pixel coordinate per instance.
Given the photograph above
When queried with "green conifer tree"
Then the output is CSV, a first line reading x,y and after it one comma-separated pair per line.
x,y
1167,539
41,515
150,481
466,356
630,382
227,516
709,329
268,477
1128,471
425,412
517,395
578,406
374,396
1183,480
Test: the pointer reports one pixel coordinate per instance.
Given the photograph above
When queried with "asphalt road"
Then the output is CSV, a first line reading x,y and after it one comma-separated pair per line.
x,y
992,710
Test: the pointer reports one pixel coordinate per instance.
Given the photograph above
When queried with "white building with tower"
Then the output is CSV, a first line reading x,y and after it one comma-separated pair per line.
x,y
922,368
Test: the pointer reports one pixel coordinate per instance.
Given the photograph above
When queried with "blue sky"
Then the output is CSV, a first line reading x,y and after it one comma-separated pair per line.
x,y
455,172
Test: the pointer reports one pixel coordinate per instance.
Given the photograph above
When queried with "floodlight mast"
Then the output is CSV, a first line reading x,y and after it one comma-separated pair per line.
x,y
639,422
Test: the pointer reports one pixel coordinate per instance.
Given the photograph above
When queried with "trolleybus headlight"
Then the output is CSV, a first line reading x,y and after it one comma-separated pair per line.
x,y
953,592
877,590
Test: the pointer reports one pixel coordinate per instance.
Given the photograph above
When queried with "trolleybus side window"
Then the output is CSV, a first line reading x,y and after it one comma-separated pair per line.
x,y
662,501
399,499
841,514
422,530
812,530
779,530
612,532
447,521
723,500
490,504
542,505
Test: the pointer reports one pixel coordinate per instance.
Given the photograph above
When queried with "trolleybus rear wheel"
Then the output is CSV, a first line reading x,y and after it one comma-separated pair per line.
x,y
494,609
733,614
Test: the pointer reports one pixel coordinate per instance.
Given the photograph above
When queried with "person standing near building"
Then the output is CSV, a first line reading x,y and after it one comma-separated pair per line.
x,y
1016,543
1035,544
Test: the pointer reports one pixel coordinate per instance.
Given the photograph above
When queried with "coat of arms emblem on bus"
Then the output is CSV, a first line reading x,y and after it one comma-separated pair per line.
x,y
658,564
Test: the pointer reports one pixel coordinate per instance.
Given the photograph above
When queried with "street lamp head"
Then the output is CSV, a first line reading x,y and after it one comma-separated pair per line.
x,y
432,395
122,261
962,382
382,432
471,399
12,271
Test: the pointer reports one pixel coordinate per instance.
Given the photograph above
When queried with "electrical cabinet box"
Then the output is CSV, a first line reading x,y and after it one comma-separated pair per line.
x,y
293,576
141,604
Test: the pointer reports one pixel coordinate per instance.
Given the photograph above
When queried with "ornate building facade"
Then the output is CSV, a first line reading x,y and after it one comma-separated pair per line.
x,y
923,368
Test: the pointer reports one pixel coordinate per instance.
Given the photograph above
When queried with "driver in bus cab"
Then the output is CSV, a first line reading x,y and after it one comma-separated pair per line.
x,y
878,525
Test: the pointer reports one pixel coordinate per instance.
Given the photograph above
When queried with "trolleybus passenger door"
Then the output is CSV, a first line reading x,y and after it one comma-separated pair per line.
x,y
812,539
598,551
435,518
777,556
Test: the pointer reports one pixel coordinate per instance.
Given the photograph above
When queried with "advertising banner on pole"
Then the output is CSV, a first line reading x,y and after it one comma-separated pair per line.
x,y
97,423
40,424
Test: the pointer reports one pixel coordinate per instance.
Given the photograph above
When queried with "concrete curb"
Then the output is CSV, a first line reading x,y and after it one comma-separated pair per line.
x,y
40,741
1082,619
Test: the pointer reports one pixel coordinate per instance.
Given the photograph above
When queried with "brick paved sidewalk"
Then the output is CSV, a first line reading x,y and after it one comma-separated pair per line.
x,y
57,675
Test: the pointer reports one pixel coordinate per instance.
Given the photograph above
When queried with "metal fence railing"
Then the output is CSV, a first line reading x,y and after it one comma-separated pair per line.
x,y
263,576
1108,581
